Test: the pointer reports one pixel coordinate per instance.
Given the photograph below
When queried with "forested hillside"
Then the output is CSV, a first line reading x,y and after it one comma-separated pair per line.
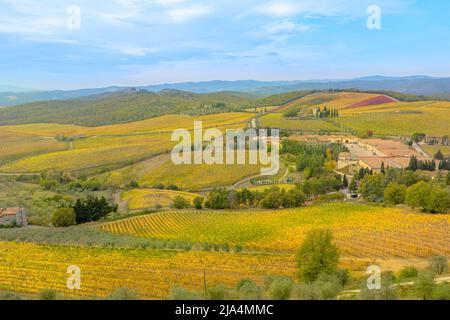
x,y
123,107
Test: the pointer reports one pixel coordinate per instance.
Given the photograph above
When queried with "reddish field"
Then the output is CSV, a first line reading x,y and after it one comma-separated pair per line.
x,y
382,99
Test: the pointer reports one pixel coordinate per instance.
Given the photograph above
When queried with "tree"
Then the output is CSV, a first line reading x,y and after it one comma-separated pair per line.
x,y
438,200
382,169
417,137
280,288
439,155
429,197
395,193
318,254
92,209
218,199
198,202
372,188
180,203
345,181
439,264
64,217
425,284
353,186
272,200
416,195
413,164
294,198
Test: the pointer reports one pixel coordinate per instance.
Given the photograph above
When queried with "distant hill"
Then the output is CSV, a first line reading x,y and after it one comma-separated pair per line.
x,y
121,107
417,85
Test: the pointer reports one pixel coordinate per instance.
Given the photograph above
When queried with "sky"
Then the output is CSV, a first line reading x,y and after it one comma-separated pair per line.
x,y
60,44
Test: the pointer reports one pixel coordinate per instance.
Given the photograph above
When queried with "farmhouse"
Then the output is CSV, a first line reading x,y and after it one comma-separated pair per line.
x,y
372,153
11,215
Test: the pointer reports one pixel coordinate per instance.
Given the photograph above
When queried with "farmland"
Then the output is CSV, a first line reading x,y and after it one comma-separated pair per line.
x,y
276,120
360,230
149,198
150,272
100,146
394,118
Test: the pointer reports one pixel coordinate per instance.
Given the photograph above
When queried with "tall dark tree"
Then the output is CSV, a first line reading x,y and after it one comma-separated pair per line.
x,y
383,169
413,165
345,181
439,155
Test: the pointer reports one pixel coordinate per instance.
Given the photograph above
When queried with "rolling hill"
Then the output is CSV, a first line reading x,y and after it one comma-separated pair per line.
x,y
122,107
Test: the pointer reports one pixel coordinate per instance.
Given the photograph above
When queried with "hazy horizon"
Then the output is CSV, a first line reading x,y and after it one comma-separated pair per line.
x,y
80,44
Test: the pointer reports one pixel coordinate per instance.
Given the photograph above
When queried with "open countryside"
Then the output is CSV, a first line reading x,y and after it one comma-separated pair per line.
x,y
228,221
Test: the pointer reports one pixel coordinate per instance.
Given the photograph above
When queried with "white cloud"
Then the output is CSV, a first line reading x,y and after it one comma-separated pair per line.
x,y
187,13
279,9
136,51
286,26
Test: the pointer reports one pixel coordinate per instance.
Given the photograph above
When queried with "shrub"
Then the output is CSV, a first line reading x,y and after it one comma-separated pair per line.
x,y
386,292
439,264
408,272
123,294
180,293
48,294
198,202
248,290
180,203
64,217
280,288
217,293
395,193
343,276
318,254
10,296
441,292
329,286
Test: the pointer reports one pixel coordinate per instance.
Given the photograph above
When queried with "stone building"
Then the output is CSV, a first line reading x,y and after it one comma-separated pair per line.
x,y
11,215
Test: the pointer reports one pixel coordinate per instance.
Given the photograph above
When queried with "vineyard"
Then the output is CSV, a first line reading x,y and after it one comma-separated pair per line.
x,y
149,198
30,268
121,144
360,231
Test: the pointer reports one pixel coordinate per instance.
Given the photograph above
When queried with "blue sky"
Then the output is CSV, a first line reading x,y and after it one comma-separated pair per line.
x,y
136,42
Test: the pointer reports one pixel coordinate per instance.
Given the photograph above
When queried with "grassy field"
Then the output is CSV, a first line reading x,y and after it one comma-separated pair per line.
x,y
149,198
166,123
276,120
29,268
431,150
432,122
193,177
360,230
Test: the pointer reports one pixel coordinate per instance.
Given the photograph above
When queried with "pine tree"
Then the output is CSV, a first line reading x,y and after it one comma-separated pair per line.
x,y
383,169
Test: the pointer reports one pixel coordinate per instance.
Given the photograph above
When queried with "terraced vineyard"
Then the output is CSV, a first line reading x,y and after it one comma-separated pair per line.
x,y
29,268
360,230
